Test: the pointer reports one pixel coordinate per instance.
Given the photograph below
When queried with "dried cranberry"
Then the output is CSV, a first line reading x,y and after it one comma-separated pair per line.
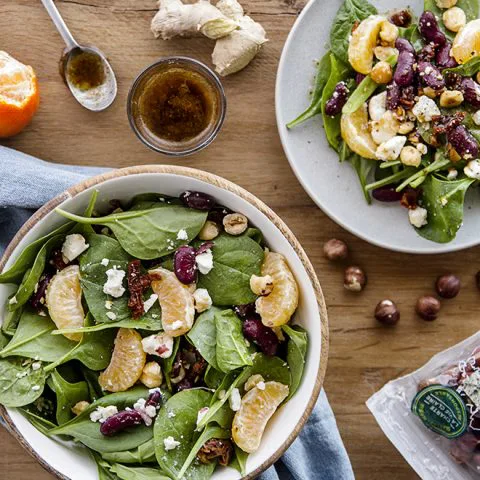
x,y
387,194
38,298
255,331
184,264
246,311
120,421
204,247
197,200
410,198
57,260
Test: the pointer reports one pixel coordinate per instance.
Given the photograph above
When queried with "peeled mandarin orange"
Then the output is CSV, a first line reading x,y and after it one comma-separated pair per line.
x,y
256,409
354,128
176,301
276,308
64,301
467,42
363,41
127,363
19,97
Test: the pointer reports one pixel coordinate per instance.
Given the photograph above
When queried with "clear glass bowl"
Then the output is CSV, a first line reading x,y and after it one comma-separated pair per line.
x,y
190,145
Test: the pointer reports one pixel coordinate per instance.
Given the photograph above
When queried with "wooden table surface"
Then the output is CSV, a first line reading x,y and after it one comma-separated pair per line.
x,y
363,354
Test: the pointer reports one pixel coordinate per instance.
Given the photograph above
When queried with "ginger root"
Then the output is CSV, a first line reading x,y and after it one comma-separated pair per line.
x,y
239,38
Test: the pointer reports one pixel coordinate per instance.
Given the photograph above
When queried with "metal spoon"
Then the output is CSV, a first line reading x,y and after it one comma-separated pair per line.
x,y
99,97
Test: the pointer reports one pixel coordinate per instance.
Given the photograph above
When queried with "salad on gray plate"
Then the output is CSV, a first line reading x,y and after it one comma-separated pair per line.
x,y
156,335
400,101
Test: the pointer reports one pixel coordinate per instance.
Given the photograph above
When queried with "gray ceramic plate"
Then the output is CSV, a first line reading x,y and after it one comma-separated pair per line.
x,y
331,185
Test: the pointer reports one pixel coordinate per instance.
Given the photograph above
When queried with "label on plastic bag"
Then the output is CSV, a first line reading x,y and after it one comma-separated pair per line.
x,y
442,410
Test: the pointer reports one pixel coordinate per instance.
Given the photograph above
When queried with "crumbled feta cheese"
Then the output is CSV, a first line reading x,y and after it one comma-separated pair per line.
x,y
472,170
160,344
390,150
452,173
385,129
377,106
36,366
111,315
235,400
108,304
35,388
102,413
204,262
476,117
73,246
170,443
261,385
202,298
418,217
148,304
13,300
22,374
105,262
114,284
201,413
425,109
182,235
171,414
147,412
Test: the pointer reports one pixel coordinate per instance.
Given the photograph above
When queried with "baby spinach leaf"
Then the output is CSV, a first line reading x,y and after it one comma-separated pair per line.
x,y
240,460
3,340
41,424
86,229
94,389
152,233
213,378
103,469
231,346
315,107
363,167
84,430
137,473
93,278
10,321
235,260
149,324
296,352
255,234
178,419
331,124
19,383
167,363
68,395
350,12
203,336
444,201
33,274
212,431
144,453
468,69
25,260
33,339
94,350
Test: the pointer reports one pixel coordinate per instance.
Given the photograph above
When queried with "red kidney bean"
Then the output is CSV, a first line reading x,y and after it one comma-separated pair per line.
x,y
471,92
204,247
184,264
120,421
246,311
463,142
443,57
404,75
197,200
410,198
403,45
36,298
387,194
262,336
155,399
338,99
393,96
430,76
359,78
401,18
430,30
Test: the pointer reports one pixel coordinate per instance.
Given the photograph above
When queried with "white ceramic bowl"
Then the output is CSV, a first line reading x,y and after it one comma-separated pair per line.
x,y
69,461
332,185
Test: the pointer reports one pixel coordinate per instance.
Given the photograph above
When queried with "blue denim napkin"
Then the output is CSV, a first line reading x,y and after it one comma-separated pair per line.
x,y
26,183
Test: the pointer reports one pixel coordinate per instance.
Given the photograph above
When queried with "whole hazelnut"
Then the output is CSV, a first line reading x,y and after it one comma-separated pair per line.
x,y
235,223
448,286
477,278
335,250
427,307
386,312
354,279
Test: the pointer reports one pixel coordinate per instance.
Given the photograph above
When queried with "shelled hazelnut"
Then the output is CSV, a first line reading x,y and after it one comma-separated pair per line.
x,y
448,286
335,250
427,307
386,312
354,279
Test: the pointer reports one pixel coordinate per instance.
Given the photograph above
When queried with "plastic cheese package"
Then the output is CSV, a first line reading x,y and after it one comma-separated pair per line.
x,y
432,416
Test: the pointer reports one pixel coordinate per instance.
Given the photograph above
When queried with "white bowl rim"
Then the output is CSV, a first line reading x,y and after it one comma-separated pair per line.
x,y
222,184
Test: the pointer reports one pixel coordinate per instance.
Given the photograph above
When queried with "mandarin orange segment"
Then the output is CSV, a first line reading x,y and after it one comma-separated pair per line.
x,y
19,97
355,133
256,408
64,301
176,301
467,42
127,363
277,307
363,41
